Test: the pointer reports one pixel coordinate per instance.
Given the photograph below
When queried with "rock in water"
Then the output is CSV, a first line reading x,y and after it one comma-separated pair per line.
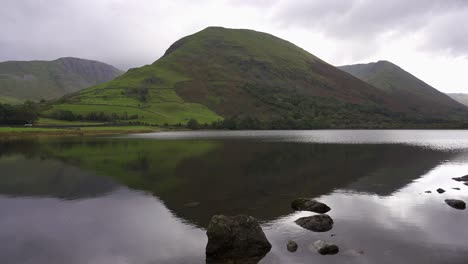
x,y
237,238
463,178
456,188
325,248
292,246
457,204
316,223
466,183
306,204
428,192
440,190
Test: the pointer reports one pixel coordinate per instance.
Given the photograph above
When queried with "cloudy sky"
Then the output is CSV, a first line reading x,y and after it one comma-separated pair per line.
x,y
428,38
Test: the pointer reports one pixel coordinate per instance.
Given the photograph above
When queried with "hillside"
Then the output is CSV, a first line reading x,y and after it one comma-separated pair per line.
x,y
234,73
36,80
459,97
422,98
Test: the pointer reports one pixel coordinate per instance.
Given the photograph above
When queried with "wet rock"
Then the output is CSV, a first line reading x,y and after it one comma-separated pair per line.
x,y
463,178
457,204
306,204
316,223
428,192
325,248
456,189
292,246
192,204
440,190
466,183
238,238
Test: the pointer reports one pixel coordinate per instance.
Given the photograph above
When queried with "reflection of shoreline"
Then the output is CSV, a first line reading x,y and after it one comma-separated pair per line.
x,y
240,177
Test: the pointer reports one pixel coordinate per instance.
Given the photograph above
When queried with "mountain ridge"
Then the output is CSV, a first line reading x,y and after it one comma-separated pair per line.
x,y
41,79
220,73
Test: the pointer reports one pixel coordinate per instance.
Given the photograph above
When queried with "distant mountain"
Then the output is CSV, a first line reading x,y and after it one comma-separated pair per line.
x,y
248,76
36,80
416,95
459,97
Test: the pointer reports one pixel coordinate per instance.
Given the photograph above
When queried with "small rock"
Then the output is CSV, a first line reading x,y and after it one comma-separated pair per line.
x,y
456,189
463,178
316,223
428,192
325,248
354,252
306,204
440,190
292,246
466,183
235,238
457,204
192,204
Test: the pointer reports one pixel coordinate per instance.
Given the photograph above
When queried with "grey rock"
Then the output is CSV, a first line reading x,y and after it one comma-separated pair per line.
x,y
466,183
316,223
463,178
428,192
456,189
457,204
325,248
306,204
440,190
292,246
237,238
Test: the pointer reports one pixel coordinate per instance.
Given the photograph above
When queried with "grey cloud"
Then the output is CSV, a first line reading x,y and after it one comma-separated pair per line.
x,y
365,21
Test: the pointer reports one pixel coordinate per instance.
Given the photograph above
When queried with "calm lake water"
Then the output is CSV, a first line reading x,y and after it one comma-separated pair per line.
x,y
123,200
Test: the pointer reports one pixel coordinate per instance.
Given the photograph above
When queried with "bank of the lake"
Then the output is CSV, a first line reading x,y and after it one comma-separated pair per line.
x,y
7,133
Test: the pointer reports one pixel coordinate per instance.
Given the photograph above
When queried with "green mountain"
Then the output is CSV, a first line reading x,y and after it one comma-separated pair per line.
x,y
243,74
417,95
36,80
459,97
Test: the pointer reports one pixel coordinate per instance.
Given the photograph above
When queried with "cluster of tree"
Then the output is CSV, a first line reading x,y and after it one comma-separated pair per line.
x,y
19,114
91,116
141,93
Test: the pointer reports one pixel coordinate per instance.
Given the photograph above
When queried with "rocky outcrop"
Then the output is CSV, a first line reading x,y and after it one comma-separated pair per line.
x,y
316,223
306,204
237,238
462,179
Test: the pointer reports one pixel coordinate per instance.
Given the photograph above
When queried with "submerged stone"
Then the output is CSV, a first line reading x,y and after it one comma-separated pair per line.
x,y
457,204
237,238
316,223
306,204
428,192
292,246
456,188
325,248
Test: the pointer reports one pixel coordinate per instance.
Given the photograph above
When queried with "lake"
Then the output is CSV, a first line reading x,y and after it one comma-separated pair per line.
x,y
148,198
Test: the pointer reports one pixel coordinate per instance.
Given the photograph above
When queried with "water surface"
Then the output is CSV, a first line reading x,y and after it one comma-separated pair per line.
x,y
124,200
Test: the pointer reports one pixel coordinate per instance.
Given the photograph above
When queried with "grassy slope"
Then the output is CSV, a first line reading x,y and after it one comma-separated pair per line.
x,y
420,97
459,97
36,80
220,72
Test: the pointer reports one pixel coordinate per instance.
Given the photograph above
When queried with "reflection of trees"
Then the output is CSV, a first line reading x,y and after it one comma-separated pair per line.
x,y
233,177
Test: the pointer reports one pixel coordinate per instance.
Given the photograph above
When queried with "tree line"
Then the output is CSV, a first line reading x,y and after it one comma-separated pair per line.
x,y
27,112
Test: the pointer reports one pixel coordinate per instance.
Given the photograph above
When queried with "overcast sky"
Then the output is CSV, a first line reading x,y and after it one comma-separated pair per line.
x,y
428,38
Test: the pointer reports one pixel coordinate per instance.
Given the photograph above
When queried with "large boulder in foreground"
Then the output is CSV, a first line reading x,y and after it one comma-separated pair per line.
x,y
325,248
457,204
237,239
306,204
316,223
